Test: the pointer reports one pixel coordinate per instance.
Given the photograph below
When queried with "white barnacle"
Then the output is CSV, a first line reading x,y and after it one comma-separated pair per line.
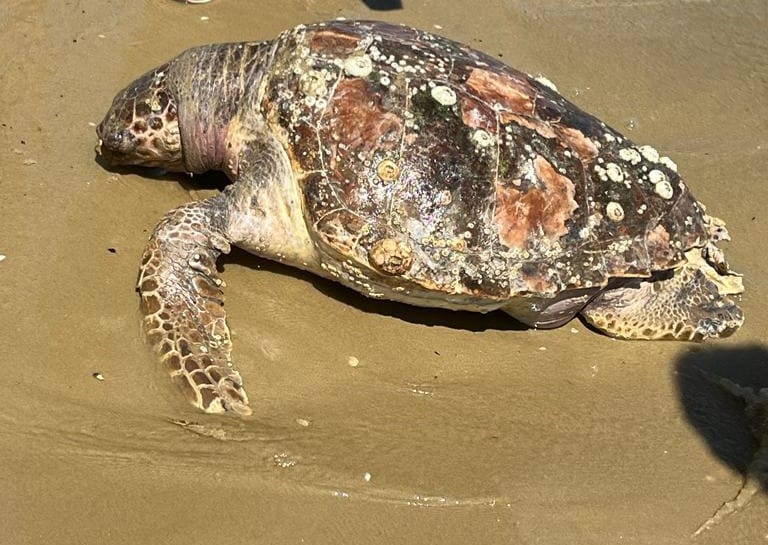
x,y
620,246
358,66
656,176
664,189
594,220
482,139
649,153
614,211
614,172
630,155
444,197
669,163
608,137
601,173
313,83
546,82
444,95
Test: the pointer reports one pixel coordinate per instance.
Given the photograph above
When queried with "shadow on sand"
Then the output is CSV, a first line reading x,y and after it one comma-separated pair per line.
x,y
469,321
716,411
724,393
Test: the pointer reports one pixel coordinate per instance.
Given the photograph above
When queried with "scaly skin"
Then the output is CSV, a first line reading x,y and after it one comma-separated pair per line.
x,y
183,304
691,305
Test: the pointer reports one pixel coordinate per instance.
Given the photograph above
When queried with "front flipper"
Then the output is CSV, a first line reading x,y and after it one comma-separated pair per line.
x,y
691,304
183,304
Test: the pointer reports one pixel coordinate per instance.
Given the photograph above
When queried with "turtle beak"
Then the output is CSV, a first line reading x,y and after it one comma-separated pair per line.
x,y
117,146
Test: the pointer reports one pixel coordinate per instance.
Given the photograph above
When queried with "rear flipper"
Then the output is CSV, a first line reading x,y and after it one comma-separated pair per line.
x,y
183,302
692,304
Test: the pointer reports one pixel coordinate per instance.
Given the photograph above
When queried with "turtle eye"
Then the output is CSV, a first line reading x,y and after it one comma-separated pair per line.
x,y
162,100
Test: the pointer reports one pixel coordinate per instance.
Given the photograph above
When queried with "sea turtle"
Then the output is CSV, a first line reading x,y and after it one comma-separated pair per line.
x,y
408,167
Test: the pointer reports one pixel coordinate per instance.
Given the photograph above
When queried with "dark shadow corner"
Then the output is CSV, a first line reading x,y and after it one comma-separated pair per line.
x,y
470,321
383,5
712,384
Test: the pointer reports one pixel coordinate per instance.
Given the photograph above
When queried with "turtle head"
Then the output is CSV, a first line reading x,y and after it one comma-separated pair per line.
x,y
141,127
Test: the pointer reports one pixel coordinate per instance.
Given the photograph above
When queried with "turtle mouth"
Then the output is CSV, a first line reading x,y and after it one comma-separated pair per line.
x,y
115,145
118,148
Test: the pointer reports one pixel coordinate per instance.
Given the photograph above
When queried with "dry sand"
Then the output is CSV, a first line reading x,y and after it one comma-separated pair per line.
x,y
453,428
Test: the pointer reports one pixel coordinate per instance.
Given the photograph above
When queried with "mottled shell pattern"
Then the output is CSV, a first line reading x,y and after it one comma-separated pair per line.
x,y
437,166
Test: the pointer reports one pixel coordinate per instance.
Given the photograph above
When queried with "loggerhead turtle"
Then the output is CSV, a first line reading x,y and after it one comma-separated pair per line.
x,y
413,168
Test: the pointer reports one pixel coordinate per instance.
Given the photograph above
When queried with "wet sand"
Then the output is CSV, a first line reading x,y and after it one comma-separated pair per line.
x,y
454,428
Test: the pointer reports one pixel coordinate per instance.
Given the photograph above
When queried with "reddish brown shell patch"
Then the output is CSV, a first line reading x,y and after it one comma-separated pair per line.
x,y
540,210
357,119
502,91
334,41
576,140
478,115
